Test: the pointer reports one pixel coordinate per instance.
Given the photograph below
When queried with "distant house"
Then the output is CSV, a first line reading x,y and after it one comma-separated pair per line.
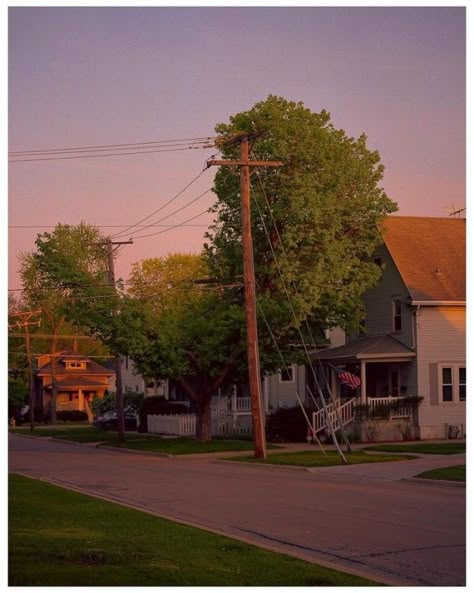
x,y
80,379
413,341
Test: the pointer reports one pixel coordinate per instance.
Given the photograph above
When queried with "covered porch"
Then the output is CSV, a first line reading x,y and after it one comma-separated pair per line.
x,y
75,393
385,368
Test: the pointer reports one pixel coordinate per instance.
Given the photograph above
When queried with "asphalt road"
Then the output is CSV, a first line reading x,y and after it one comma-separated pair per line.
x,y
364,520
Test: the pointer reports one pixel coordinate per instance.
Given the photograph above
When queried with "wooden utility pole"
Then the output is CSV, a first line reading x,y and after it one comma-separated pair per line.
x,y
25,322
109,244
255,384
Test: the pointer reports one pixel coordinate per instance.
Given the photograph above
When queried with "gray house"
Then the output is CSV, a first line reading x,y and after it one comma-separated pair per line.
x,y
413,341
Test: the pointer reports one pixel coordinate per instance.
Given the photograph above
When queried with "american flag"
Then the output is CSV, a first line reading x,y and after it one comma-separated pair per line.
x,y
347,378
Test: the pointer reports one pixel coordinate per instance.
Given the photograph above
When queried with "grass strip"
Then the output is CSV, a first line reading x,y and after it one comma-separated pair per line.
x,y
454,473
450,448
188,446
85,434
318,459
62,538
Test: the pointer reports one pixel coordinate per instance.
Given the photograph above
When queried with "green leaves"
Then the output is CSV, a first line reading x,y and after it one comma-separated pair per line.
x,y
320,212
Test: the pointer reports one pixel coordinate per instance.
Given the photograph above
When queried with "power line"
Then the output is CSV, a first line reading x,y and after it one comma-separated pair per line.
x,y
101,226
175,197
173,213
123,145
91,156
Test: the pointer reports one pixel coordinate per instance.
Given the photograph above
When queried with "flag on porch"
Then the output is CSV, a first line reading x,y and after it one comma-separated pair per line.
x,y
347,378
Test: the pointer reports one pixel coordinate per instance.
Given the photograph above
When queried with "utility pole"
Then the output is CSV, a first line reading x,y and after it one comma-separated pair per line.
x,y
25,322
255,384
109,244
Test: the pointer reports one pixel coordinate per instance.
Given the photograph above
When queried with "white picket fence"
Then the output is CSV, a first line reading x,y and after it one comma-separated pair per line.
x,y
174,424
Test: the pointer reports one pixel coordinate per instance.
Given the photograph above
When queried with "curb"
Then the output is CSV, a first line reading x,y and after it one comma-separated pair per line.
x,y
428,482
134,451
298,468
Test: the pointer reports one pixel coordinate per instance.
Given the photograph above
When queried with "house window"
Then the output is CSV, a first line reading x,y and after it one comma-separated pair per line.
x,y
287,375
378,261
362,327
452,383
447,385
462,384
75,364
397,315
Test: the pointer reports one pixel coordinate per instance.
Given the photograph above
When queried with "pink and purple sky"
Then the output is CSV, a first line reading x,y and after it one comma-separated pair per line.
x,y
93,76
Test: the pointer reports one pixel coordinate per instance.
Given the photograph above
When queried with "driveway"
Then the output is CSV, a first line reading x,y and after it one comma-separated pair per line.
x,y
356,518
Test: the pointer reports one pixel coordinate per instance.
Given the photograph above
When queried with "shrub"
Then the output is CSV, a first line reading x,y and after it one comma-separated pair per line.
x,y
108,403
158,405
71,415
288,424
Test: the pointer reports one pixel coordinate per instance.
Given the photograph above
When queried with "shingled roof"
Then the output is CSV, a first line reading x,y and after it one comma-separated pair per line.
x,y
430,254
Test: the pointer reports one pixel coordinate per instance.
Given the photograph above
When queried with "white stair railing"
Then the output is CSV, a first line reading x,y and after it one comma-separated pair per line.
x,y
345,412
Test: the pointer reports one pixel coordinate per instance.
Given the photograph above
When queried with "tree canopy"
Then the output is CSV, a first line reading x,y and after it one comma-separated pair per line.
x,y
321,211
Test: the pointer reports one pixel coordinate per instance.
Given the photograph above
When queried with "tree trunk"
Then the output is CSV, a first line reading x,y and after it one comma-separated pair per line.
x,y
54,382
203,419
119,396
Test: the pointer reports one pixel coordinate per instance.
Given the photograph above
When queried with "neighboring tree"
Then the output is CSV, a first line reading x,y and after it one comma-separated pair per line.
x,y
164,282
66,277
326,206
192,333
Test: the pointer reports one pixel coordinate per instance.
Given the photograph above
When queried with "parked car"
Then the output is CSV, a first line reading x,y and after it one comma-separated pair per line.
x,y
109,420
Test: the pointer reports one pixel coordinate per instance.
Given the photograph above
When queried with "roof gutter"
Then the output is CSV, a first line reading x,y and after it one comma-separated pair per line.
x,y
438,303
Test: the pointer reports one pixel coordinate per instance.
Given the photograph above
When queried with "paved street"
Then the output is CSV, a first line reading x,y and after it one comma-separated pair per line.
x,y
361,519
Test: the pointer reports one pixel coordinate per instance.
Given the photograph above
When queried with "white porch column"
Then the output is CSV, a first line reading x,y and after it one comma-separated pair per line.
x,y
81,400
363,392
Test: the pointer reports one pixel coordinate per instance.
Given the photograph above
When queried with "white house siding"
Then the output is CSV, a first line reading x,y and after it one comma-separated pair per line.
x,y
378,302
283,394
441,338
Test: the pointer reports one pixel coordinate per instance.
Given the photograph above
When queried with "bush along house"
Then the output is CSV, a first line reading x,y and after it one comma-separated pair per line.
x,y
80,380
404,375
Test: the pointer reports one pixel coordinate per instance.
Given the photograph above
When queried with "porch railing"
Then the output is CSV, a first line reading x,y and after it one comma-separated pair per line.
x,y
398,410
231,405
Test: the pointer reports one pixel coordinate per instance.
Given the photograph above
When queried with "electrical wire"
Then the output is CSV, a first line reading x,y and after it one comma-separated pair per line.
x,y
92,156
175,197
341,454
343,432
123,145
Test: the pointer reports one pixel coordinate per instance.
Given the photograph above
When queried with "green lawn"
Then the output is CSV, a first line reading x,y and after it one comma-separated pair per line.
x,y
80,434
318,459
449,448
187,446
61,538
455,473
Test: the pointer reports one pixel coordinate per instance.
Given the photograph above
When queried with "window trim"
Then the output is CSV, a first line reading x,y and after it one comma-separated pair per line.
x,y
290,367
395,301
455,383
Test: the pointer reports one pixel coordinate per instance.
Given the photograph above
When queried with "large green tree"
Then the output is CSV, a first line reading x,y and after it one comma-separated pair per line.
x,y
193,331
320,212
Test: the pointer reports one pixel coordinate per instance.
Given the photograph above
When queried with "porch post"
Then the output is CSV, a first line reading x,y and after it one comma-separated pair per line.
x,y
81,400
334,385
363,392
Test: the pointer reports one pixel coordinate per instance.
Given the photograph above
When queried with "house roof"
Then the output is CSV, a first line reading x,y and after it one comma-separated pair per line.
x,y
367,348
93,368
430,254
74,382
